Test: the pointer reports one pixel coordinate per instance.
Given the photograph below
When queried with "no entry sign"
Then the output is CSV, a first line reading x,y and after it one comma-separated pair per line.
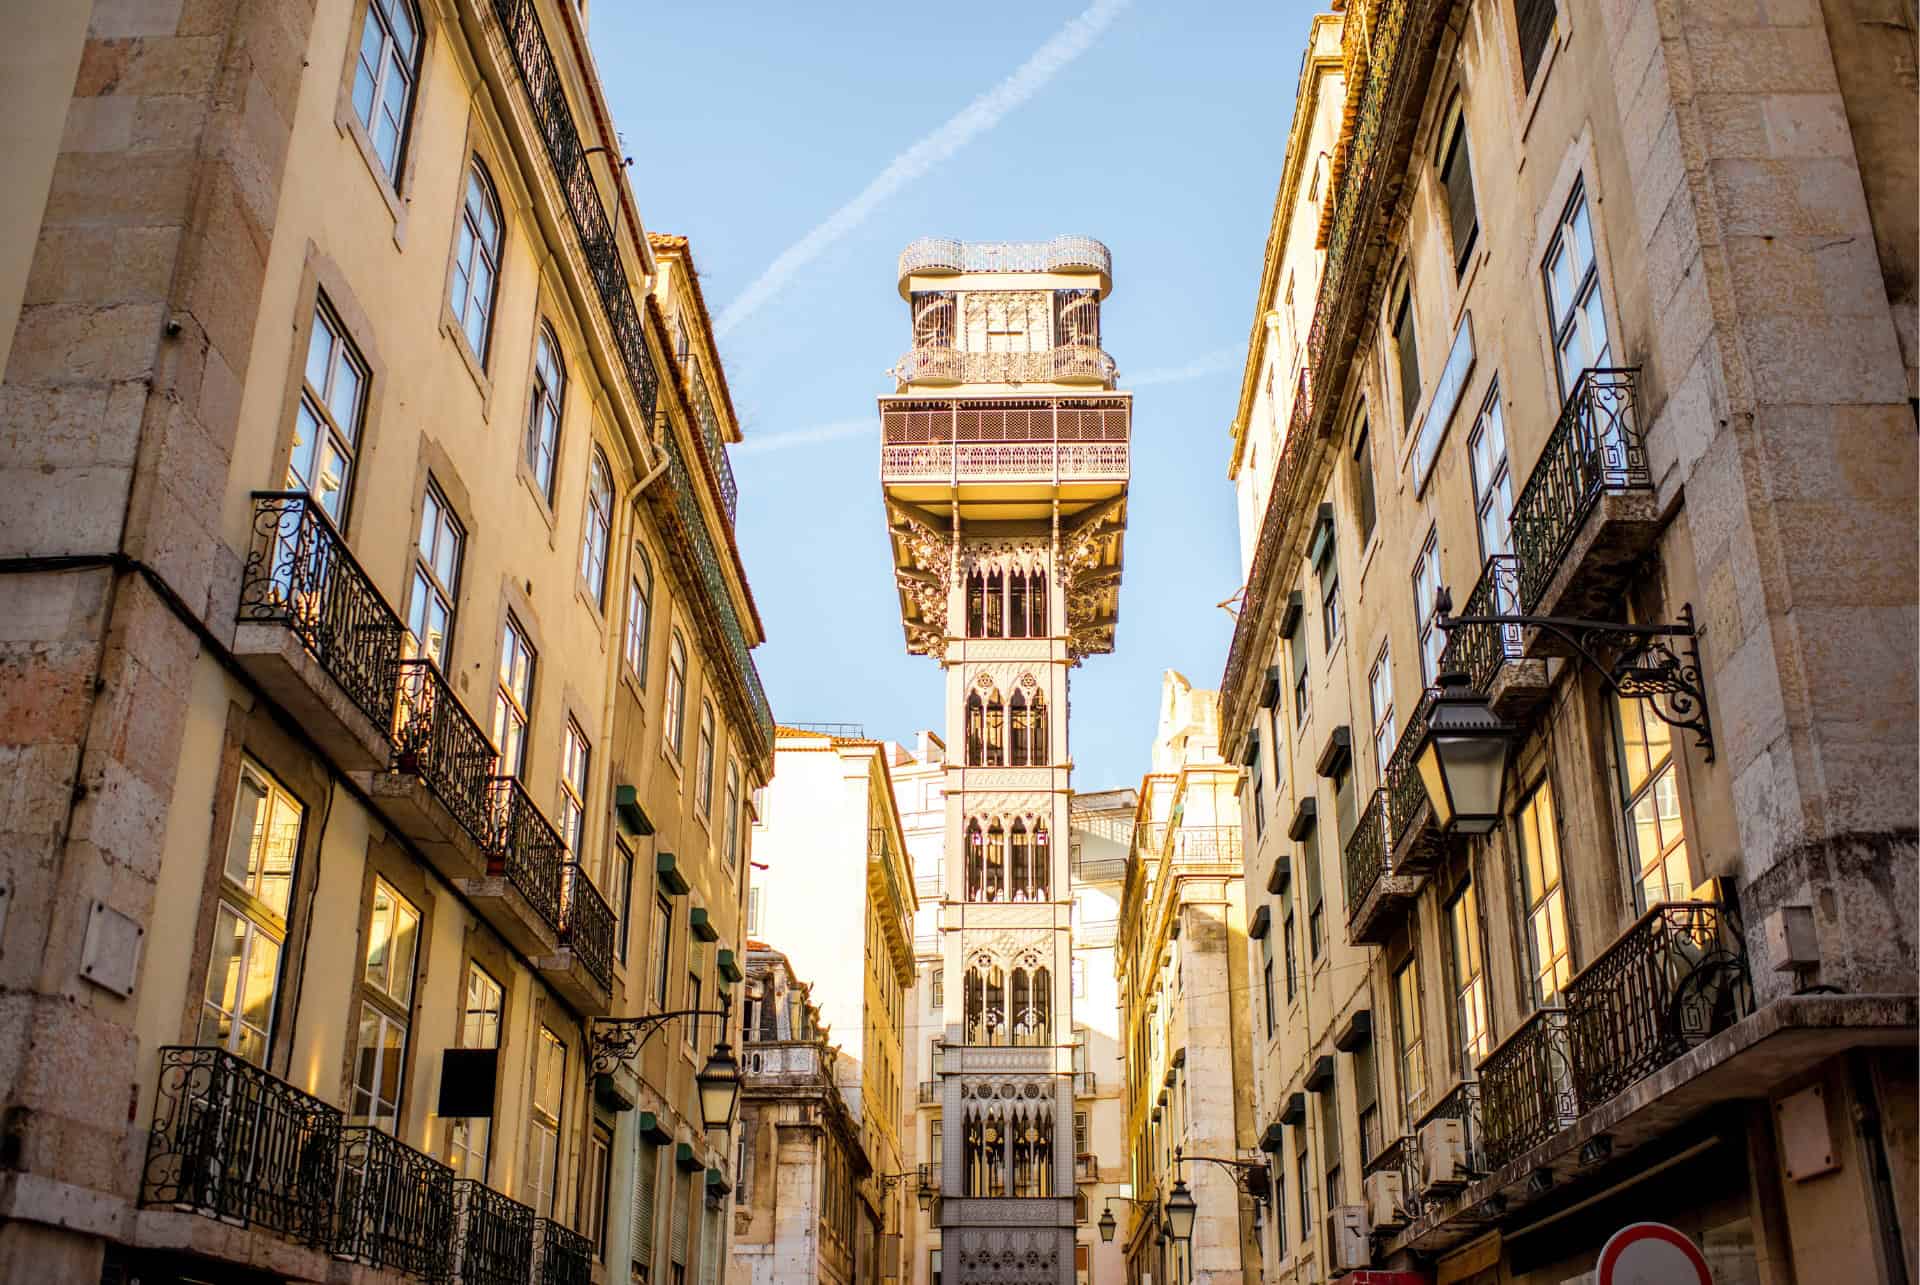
x,y
1652,1254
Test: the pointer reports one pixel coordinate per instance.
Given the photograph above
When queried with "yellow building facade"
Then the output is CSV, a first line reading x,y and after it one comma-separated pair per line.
x,y
1562,353
386,719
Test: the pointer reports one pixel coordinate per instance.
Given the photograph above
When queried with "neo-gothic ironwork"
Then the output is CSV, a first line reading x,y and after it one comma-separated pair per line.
x,y
301,574
395,1205
436,739
1596,448
1061,254
492,1236
232,1142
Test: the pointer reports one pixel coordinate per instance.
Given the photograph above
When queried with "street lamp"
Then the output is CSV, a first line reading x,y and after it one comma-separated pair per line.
x,y
1462,758
1107,1225
1181,1208
925,1198
719,1082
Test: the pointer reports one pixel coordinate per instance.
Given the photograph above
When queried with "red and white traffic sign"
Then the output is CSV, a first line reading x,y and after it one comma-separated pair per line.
x,y
1652,1254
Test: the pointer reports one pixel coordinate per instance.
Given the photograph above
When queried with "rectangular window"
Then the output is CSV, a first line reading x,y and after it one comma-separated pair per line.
x,y
1297,656
1364,503
1573,296
933,1266
1426,603
1546,926
1534,18
639,614
1650,800
470,1138
1492,482
599,1181
676,710
1291,962
1277,1175
1082,1134
326,425
621,886
753,911
1259,775
1407,1034
1310,877
543,1120
1343,813
393,932
573,788
1266,979
693,1002
1380,694
703,781
937,986
730,845
1301,1171
1456,178
1407,354
662,948
1366,1102
1330,1144
513,698
1330,601
250,922
1469,979
436,579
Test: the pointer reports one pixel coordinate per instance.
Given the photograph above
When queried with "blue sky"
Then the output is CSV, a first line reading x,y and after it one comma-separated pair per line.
x,y
752,123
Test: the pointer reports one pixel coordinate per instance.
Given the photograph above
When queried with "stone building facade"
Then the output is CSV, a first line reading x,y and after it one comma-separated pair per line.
x,y
1004,461
1181,953
1609,319
377,658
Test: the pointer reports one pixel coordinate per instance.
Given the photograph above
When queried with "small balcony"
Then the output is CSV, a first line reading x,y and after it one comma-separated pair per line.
x,y
1414,846
1086,1167
1207,845
582,969
564,1256
930,445
313,630
1526,1087
492,1239
520,892
1378,893
229,1141
395,1205
1062,364
434,790
1462,1103
1401,1156
1493,657
1587,513
929,1093
1085,1084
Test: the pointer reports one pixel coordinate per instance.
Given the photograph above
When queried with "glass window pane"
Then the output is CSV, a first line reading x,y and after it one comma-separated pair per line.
x,y
278,852
249,815
223,976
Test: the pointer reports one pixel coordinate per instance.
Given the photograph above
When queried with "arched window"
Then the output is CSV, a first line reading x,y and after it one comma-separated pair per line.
x,y
1037,625
976,731
1042,863
986,1155
976,605
1019,728
1020,859
598,534
545,404
995,886
1016,604
995,604
996,746
1032,1139
986,1004
384,74
1039,753
676,714
476,260
976,863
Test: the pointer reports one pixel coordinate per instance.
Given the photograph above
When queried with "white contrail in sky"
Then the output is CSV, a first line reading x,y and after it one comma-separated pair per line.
x,y
978,116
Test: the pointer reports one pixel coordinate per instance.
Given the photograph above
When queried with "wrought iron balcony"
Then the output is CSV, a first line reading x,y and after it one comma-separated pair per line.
x,y
1377,889
492,1236
1527,1087
1461,1103
1042,439
1086,1167
1066,363
1478,651
395,1206
1401,1156
1207,845
586,922
716,448
1408,809
932,254
929,1092
232,1142
1572,542
1675,977
315,632
526,852
436,740
566,1257
1085,1083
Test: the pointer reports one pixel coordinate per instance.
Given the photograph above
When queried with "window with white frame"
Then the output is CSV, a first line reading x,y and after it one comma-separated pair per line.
x,y
1407,1032
574,756
476,260
1380,696
730,842
1573,296
470,1138
1426,608
543,1120
676,711
639,613
250,919
598,534
1492,480
326,424
544,406
662,948
703,766
1546,908
513,698
436,579
1650,802
1473,1032
386,1006
621,885
384,74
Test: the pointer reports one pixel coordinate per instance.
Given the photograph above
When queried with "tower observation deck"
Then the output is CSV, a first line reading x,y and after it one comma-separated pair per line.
x,y
1004,462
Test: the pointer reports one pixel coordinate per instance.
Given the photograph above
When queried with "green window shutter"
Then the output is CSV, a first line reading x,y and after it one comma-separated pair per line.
x,y
642,1229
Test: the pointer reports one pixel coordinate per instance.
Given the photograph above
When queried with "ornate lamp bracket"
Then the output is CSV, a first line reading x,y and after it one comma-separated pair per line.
x,y
1659,664
617,1039
1249,1175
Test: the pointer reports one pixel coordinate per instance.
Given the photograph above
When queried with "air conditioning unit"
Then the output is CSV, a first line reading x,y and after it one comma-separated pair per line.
x,y
1386,1201
1346,1239
1443,1156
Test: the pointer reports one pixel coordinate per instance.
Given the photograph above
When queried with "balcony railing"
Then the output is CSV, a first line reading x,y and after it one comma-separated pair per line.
x,y
1462,1103
716,448
1401,1156
566,1257
1084,1084
1063,363
1042,438
1061,254
1406,792
435,739
1479,650
1086,1168
586,922
300,574
232,1142
1368,854
492,1236
395,1206
1670,981
1527,1087
1595,449
1207,845
929,1092
524,847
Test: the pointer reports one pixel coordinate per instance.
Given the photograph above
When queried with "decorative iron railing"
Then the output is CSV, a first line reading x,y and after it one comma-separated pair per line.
x,y
565,1256
1206,845
1085,1083
929,1092
716,448
547,96
1049,365
1595,449
1401,1156
1406,792
1062,253
524,847
233,1142
492,1236
301,574
395,1206
1478,651
1149,837
1368,853
1263,578
1526,1087
1671,980
1461,1103
435,739
586,922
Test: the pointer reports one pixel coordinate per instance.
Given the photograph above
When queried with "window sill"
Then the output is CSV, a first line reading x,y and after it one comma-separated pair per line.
x,y
1530,96
520,470
457,336
584,592
349,126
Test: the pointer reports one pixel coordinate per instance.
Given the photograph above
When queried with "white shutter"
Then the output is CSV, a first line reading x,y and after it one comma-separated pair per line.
x,y
642,1225
681,1214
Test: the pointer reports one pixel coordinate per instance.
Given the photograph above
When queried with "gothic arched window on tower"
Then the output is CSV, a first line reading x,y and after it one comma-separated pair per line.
x,y
995,887
1032,1129
986,1007
1016,604
1039,754
977,604
996,604
1037,626
1019,730
1042,864
976,731
1020,861
996,746
976,863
